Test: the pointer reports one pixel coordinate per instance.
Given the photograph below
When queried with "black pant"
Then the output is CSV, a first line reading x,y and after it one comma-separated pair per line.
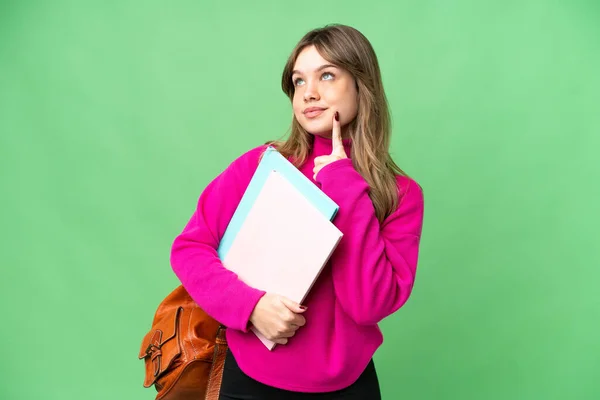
x,y
239,386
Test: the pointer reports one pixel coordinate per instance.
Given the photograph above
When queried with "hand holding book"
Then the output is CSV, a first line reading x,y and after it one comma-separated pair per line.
x,y
277,318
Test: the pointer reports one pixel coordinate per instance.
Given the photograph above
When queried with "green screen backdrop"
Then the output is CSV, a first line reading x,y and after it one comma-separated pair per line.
x,y
114,115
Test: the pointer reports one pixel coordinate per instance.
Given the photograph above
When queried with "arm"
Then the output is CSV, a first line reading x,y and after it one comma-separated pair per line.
x,y
374,265
194,257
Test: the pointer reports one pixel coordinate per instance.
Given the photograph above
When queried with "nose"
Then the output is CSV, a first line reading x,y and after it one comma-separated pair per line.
x,y
311,91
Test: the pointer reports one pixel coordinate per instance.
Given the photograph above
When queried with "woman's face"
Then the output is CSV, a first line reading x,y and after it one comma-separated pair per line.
x,y
321,89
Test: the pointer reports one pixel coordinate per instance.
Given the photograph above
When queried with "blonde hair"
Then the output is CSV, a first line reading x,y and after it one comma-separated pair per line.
x,y
370,132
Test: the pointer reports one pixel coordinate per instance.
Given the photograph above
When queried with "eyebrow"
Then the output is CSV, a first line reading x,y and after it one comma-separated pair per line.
x,y
317,70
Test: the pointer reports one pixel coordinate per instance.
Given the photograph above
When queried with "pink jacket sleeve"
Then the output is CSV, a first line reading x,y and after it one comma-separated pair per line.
x,y
374,265
194,257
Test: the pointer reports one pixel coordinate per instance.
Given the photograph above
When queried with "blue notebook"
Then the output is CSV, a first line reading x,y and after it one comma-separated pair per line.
x,y
273,161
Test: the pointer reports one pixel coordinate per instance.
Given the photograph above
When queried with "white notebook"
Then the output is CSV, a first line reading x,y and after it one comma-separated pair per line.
x,y
283,244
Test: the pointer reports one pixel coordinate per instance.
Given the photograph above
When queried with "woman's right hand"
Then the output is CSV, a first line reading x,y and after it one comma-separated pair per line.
x,y
277,317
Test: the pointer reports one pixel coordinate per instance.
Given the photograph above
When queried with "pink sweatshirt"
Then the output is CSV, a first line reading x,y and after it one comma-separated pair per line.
x,y
369,276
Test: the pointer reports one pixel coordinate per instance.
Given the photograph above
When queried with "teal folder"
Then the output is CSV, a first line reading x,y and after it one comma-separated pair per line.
x,y
273,161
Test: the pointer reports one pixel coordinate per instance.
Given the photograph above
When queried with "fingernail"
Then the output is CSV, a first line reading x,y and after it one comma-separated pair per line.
x,y
303,307
337,116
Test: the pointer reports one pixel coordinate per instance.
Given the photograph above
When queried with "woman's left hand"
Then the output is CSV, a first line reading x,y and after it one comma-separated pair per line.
x,y
337,153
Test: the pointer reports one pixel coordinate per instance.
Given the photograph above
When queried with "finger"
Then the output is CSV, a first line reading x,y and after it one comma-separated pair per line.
x,y
336,135
281,341
292,305
286,335
322,160
299,320
288,327
295,327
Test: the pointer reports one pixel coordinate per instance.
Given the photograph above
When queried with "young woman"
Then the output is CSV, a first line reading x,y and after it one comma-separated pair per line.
x,y
340,139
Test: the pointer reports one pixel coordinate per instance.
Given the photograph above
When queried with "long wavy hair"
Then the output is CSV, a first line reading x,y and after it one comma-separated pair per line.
x,y
370,131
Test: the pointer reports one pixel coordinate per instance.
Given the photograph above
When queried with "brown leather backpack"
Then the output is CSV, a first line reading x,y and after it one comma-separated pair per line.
x,y
184,352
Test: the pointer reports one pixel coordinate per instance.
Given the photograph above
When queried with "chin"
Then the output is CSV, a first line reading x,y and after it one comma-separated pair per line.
x,y
317,129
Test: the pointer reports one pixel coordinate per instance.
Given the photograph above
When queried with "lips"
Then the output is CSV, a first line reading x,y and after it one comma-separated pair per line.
x,y
313,112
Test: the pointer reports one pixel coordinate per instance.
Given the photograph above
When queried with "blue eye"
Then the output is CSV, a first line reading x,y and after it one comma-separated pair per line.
x,y
327,76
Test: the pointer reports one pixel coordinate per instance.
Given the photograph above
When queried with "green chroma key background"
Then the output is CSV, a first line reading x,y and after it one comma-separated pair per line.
x,y
115,115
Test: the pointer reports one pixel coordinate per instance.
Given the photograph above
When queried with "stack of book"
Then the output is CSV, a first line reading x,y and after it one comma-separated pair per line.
x,y
281,235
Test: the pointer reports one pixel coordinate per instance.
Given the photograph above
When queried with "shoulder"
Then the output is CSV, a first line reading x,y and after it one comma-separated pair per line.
x,y
238,173
408,215
409,188
410,198
248,161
